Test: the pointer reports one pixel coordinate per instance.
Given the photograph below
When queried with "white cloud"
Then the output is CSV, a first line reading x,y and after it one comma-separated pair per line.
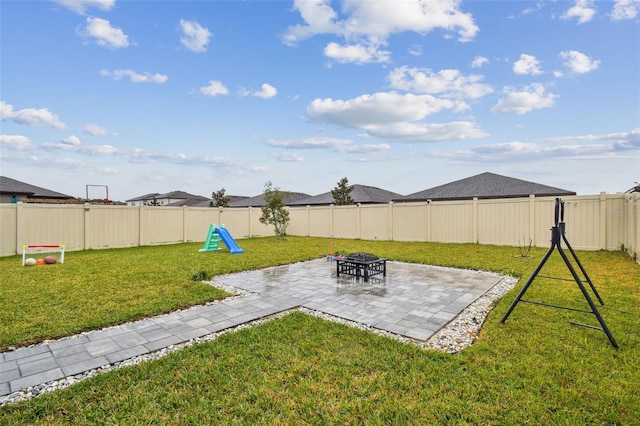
x,y
105,34
318,17
578,62
479,61
289,156
17,142
266,91
619,140
427,132
356,53
309,143
135,77
333,144
450,83
72,140
196,37
415,50
625,9
539,5
390,115
81,6
96,130
521,102
527,64
571,147
30,116
214,88
367,25
379,108
582,10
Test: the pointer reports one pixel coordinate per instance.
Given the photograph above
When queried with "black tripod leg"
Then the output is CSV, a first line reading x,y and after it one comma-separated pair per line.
x,y
526,286
575,257
594,309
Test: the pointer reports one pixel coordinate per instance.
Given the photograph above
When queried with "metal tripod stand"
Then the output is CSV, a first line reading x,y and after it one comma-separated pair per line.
x,y
557,236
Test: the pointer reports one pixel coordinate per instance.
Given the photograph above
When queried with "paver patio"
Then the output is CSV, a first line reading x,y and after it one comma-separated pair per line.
x,y
413,300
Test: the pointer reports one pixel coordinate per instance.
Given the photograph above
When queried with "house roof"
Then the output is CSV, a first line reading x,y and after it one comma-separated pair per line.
x,y
484,186
177,195
195,201
181,195
258,200
145,197
12,186
360,194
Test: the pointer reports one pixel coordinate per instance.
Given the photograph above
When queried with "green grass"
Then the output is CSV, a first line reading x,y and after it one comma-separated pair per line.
x,y
535,368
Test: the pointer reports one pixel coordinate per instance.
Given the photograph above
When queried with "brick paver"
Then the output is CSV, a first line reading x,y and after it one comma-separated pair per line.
x,y
412,300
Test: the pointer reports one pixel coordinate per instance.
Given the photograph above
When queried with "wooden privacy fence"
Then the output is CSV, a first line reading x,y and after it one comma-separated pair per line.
x,y
593,222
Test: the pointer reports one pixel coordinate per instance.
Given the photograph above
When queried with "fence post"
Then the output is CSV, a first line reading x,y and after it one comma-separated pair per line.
x,y
532,219
359,221
19,242
390,224
331,220
87,211
475,221
603,221
428,220
184,224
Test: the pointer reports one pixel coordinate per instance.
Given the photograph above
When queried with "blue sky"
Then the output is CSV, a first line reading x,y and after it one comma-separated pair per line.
x,y
155,96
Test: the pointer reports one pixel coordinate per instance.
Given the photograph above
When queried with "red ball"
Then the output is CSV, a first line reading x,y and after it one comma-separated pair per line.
x,y
50,260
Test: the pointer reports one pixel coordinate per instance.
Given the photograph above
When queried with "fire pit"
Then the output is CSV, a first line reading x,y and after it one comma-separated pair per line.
x,y
361,264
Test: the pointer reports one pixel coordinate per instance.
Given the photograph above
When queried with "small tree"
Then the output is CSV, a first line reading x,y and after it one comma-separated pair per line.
x,y
273,211
219,199
342,193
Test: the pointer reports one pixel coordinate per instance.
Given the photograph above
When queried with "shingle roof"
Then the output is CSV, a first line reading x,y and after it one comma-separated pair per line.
x,y
145,197
12,186
485,185
178,195
360,194
258,200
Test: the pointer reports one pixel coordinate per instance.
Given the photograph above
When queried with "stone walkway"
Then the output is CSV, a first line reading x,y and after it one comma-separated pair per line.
x,y
413,301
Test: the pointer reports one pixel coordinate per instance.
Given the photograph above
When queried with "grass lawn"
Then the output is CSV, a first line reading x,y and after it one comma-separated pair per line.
x,y
535,368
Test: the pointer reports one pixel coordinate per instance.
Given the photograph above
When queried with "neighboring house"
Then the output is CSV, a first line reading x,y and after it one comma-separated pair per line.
x,y
27,193
142,200
361,194
174,198
258,200
485,186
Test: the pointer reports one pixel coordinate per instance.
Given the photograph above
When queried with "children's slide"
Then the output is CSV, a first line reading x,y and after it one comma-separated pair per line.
x,y
228,241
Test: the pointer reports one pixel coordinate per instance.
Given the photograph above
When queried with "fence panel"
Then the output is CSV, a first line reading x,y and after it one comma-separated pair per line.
x,y
583,216
50,224
452,221
320,221
505,222
616,222
197,221
410,222
346,222
237,221
374,222
299,221
161,225
111,226
8,229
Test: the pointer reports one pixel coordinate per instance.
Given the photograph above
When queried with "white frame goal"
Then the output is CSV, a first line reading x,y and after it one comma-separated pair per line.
x,y
34,250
